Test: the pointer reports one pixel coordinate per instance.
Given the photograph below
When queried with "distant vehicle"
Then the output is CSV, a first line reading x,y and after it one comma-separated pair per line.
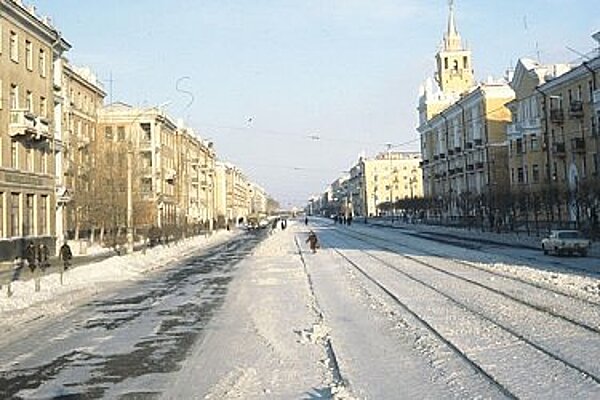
x,y
569,242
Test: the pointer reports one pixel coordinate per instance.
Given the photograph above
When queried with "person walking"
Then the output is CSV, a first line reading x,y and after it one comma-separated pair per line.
x,y
65,255
30,256
305,220
43,256
313,241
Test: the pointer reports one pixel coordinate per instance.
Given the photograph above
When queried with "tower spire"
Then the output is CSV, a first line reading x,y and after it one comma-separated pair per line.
x,y
451,23
452,39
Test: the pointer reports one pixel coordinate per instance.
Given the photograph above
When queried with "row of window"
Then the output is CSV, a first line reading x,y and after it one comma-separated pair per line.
x,y
27,156
14,100
15,55
26,214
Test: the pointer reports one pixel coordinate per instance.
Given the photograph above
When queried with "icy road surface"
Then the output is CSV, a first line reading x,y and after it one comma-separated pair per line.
x,y
375,314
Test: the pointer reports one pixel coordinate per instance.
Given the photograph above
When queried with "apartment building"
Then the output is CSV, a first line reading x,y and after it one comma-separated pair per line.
x,y
83,96
528,163
196,188
29,48
386,179
237,195
150,137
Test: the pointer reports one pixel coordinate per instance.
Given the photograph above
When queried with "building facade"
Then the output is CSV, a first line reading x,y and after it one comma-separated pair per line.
x,y
83,96
463,132
29,48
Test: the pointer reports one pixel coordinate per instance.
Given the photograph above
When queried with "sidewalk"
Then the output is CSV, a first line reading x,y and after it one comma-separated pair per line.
x,y
90,277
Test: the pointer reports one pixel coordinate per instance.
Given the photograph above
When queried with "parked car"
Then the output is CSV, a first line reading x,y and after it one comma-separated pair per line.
x,y
566,242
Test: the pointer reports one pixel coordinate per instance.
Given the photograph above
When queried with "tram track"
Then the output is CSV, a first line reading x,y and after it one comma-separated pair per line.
x,y
555,292
541,349
460,242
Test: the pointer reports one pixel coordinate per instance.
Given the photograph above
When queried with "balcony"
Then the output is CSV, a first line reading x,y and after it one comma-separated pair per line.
x,y
514,130
470,167
435,158
531,124
469,145
83,141
450,152
557,115
22,123
578,145
479,165
558,149
458,170
442,156
457,149
576,109
478,142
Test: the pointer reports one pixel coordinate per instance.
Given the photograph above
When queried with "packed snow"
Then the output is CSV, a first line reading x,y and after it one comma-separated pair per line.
x,y
412,319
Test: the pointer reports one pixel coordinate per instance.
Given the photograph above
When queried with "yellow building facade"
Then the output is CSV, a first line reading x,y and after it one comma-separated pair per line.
x,y
29,47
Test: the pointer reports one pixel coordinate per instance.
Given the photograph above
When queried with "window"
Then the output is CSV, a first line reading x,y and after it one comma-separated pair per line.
x,y
465,62
28,216
535,143
446,63
43,107
535,173
28,55
29,158
14,97
108,132
1,86
120,133
42,63
520,176
43,215
29,101
14,46
14,154
14,214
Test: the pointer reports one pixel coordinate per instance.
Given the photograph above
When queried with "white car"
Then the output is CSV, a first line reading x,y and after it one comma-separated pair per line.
x,y
564,241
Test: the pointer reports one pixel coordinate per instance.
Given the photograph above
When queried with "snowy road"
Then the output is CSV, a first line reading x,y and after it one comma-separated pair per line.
x,y
126,343
375,314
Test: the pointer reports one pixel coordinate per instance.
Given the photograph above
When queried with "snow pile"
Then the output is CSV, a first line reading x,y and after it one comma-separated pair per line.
x,y
83,282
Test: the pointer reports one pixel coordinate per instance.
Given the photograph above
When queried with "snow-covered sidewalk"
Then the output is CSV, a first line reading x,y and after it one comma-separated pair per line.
x,y
82,283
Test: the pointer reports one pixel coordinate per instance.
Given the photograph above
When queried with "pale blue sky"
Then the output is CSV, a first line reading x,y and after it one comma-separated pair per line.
x,y
345,70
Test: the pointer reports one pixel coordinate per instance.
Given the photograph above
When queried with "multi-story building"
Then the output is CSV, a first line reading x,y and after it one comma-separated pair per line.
x,y
258,200
237,195
571,122
29,49
150,137
463,131
196,186
386,179
83,96
528,149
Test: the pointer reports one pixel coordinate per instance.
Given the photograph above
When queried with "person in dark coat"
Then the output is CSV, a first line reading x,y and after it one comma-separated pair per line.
x,y
313,241
65,255
30,255
43,256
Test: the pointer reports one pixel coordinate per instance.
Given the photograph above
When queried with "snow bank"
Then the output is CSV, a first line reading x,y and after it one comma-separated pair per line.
x,y
83,282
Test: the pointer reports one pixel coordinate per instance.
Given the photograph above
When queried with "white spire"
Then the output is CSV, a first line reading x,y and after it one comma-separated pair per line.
x,y
452,39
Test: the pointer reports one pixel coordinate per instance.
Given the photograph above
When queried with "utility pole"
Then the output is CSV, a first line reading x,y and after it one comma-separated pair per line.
x,y
129,200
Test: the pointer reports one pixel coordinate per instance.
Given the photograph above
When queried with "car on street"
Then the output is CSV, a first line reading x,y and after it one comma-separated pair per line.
x,y
566,242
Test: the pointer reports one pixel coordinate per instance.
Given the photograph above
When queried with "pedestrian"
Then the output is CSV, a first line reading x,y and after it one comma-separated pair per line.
x,y
65,255
305,220
43,256
30,256
313,241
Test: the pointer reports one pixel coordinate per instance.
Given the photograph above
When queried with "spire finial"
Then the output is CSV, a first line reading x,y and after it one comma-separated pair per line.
x,y
451,24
